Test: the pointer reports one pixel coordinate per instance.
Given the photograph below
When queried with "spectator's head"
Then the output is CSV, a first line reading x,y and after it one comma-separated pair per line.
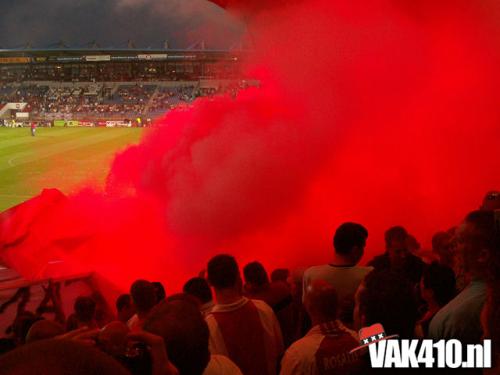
x,y
442,246
44,329
280,274
223,273
491,201
143,295
478,242
85,309
59,357
159,290
112,338
320,302
349,241
396,245
124,307
185,332
413,244
255,275
198,287
438,284
388,299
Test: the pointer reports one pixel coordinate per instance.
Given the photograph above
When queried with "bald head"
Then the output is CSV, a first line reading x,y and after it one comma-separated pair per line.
x,y
321,302
44,329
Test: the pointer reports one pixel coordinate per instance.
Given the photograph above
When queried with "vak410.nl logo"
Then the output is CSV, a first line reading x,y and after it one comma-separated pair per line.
x,y
386,352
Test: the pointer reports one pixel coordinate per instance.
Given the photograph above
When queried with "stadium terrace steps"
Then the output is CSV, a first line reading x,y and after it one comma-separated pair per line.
x,y
151,99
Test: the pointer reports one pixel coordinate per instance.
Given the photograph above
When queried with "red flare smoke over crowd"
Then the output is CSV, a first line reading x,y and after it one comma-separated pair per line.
x,y
385,113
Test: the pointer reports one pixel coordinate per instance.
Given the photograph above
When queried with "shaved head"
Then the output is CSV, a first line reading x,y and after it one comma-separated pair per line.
x,y
44,329
321,301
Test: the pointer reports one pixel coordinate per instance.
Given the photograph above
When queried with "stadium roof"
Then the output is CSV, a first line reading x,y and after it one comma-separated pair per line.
x,y
102,51
79,55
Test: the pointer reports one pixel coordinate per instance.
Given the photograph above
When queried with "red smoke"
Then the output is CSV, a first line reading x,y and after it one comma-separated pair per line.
x,y
379,112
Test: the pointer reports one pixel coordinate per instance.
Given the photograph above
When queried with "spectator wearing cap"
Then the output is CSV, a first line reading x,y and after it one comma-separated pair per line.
x,y
245,330
343,273
325,348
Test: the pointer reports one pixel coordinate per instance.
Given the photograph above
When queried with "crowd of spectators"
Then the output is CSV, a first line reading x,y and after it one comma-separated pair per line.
x,y
168,98
232,322
106,100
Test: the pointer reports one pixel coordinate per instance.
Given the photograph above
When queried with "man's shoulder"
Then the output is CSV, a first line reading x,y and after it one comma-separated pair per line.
x,y
466,304
381,260
416,260
328,272
316,269
328,268
262,306
221,365
306,346
362,269
473,294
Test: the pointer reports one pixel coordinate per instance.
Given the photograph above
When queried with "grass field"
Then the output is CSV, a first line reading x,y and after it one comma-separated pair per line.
x,y
56,157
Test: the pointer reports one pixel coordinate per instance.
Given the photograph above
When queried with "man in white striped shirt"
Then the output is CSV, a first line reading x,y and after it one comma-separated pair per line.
x,y
245,330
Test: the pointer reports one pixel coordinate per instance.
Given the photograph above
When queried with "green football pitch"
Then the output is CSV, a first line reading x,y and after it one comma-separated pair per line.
x,y
63,158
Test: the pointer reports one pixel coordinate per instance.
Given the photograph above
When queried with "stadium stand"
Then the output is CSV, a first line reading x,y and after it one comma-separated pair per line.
x,y
83,87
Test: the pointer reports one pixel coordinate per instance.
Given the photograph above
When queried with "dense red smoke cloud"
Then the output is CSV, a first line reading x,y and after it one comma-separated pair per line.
x,y
381,113
384,113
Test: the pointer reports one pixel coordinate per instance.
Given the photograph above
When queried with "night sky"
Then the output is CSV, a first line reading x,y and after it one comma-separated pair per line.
x,y
111,23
